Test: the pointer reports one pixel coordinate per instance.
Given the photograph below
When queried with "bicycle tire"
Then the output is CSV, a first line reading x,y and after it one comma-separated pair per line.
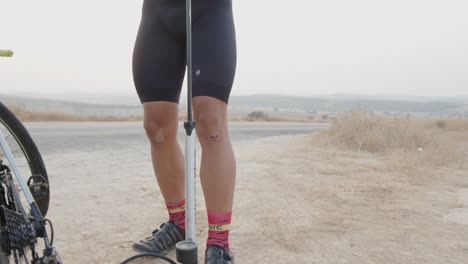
x,y
30,151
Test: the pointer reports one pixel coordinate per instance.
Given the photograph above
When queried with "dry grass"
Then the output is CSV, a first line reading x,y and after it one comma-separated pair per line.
x,y
273,116
366,132
406,146
25,115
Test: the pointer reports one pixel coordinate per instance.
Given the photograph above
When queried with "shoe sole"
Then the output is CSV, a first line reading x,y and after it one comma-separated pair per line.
x,y
165,252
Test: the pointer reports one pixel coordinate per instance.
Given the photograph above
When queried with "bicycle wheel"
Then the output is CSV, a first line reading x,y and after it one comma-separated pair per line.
x,y
27,156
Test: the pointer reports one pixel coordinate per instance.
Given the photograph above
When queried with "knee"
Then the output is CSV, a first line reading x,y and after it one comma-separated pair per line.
x,y
211,127
158,132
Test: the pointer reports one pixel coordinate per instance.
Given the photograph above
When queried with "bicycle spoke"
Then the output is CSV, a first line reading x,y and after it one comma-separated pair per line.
x,y
21,163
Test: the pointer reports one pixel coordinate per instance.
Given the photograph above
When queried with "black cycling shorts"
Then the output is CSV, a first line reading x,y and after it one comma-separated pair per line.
x,y
159,56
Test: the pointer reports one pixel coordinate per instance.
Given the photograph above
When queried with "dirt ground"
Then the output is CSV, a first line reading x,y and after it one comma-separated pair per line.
x,y
294,203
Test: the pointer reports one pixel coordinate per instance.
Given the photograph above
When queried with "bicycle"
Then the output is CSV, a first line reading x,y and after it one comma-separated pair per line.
x,y
23,204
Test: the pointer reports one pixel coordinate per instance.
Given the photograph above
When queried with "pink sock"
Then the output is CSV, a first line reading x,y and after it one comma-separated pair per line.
x,y
177,213
219,224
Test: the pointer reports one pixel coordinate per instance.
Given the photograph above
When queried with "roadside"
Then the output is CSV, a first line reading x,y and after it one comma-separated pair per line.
x,y
234,115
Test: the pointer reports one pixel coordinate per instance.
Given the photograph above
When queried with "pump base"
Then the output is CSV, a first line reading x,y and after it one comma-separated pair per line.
x,y
187,252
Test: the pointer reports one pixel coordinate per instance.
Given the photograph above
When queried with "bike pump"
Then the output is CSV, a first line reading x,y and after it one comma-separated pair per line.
x,y
187,249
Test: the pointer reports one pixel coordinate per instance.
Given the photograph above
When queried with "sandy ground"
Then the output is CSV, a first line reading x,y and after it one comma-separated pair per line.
x,y
294,204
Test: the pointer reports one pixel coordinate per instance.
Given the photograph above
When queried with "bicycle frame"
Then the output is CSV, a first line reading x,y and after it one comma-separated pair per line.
x,y
6,53
11,160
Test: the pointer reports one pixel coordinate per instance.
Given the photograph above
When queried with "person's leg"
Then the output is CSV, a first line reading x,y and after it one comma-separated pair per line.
x,y
158,72
214,64
218,169
160,123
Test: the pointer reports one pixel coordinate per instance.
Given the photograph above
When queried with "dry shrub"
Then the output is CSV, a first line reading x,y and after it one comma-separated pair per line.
x,y
366,132
407,145
441,123
454,124
257,115
260,116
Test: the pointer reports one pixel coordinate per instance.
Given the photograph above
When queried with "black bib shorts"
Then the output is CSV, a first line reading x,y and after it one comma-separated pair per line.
x,y
159,56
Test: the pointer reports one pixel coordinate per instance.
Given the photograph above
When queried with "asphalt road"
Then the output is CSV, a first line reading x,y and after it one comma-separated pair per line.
x,y
65,137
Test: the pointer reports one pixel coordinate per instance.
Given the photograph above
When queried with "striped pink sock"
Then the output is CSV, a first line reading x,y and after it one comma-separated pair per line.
x,y
177,213
219,224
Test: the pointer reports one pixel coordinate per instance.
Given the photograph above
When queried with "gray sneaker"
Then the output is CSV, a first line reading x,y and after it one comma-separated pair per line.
x,y
218,255
161,240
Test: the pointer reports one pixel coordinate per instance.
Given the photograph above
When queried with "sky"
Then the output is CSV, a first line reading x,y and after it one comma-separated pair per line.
x,y
294,47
